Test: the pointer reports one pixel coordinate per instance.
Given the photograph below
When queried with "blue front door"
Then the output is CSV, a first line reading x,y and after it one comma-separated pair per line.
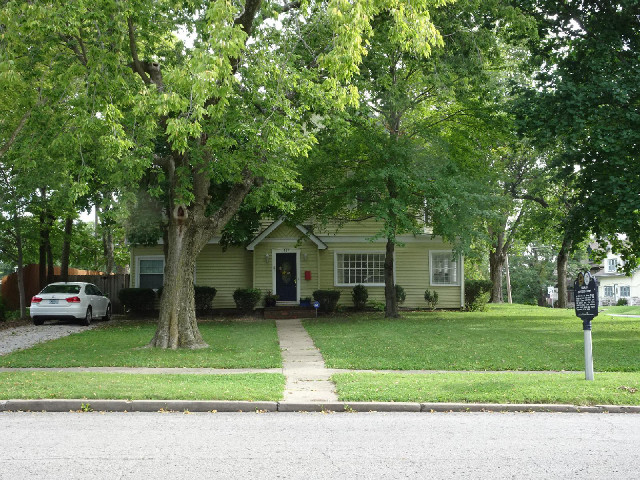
x,y
286,277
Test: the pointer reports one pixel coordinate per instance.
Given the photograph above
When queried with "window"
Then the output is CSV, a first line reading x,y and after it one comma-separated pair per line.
x,y
359,268
150,272
443,268
612,265
625,291
608,291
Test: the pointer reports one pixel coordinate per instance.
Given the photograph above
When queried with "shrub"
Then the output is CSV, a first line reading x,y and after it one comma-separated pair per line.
x,y
139,300
328,300
431,298
246,299
401,295
204,298
359,296
476,294
622,301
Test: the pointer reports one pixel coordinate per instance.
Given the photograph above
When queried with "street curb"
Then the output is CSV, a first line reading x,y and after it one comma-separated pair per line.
x,y
85,405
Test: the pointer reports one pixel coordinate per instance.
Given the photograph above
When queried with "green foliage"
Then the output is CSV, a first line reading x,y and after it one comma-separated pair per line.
x,y
360,294
476,294
138,300
401,295
622,302
328,300
431,297
246,299
204,297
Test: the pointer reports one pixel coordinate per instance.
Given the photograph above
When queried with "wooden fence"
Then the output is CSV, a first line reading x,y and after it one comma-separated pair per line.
x,y
108,284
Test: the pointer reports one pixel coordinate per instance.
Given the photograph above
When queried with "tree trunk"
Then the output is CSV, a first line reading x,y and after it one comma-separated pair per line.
x,y
66,249
508,278
107,246
561,266
495,271
50,271
391,302
42,253
177,325
21,292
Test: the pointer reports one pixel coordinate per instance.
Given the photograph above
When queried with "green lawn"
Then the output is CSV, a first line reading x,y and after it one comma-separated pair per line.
x,y
506,337
38,384
621,310
231,345
568,388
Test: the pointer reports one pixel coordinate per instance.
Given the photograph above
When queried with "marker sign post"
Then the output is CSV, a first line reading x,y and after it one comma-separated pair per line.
x,y
585,289
316,305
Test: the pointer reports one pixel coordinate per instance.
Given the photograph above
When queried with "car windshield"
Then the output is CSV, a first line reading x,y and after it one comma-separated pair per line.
x,y
61,289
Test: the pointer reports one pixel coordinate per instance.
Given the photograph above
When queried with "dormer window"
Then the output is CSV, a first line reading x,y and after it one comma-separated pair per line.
x,y
612,265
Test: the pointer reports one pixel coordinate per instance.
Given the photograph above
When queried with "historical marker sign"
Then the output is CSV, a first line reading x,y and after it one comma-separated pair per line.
x,y
585,289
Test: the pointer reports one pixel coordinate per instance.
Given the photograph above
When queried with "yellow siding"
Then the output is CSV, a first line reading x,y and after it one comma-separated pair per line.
x,y
412,273
365,228
225,270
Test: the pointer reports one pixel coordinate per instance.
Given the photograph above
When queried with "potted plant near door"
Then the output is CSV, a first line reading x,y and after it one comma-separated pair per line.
x,y
270,299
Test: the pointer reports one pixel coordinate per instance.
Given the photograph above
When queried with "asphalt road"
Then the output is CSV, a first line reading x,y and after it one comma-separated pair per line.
x,y
318,446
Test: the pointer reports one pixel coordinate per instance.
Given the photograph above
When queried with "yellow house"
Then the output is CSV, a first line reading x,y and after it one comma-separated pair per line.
x,y
292,262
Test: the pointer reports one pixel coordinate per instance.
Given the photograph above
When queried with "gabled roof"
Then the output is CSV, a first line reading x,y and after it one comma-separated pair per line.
x,y
267,231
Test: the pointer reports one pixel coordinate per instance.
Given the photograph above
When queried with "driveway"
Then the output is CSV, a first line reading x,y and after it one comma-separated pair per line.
x,y
26,336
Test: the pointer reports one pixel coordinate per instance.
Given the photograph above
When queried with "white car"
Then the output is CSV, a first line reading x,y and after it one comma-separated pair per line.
x,y
70,300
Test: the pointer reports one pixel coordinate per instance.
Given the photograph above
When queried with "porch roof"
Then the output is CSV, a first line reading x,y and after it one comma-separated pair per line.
x,y
267,231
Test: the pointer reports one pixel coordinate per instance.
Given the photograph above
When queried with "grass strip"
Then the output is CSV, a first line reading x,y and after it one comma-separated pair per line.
x,y
506,337
569,388
46,385
231,345
621,310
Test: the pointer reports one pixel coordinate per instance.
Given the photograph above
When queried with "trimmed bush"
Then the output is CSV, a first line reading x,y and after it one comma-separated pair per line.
x,y
359,296
476,294
139,300
204,298
431,298
328,300
401,295
622,301
246,299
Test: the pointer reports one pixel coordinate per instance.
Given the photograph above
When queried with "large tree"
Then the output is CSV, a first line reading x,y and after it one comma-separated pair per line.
x,y
585,104
414,151
219,120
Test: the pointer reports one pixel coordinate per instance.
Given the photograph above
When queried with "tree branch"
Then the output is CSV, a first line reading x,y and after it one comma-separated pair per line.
x,y
137,64
5,148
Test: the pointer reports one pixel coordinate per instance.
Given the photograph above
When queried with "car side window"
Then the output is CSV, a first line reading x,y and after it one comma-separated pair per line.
x,y
89,290
96,291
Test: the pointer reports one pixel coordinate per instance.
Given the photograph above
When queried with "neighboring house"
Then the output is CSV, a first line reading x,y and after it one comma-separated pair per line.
x,y
292,262
613,284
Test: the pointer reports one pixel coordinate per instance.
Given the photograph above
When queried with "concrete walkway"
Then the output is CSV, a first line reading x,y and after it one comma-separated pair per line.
x,y
303,366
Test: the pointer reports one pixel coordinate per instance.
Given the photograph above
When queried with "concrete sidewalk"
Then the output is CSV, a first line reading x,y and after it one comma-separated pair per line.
x,y
308,380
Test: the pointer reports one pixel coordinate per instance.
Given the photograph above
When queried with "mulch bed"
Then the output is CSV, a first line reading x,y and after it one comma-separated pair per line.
x,y
15,323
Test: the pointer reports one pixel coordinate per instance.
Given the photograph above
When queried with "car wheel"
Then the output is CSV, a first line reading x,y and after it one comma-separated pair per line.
x,y
87,318
37,321
107,314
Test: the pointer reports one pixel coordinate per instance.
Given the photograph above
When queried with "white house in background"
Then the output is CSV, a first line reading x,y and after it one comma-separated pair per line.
x,y
613,284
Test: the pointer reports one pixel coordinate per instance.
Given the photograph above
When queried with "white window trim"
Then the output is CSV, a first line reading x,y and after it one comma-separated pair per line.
x,y
457,283
615,267
274,251
147,257
361,252
625,287
611,288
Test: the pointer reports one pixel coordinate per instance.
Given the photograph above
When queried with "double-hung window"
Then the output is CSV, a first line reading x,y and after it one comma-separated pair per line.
x,y
443,268
608,290
612,265
359,268
625,291
151,272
